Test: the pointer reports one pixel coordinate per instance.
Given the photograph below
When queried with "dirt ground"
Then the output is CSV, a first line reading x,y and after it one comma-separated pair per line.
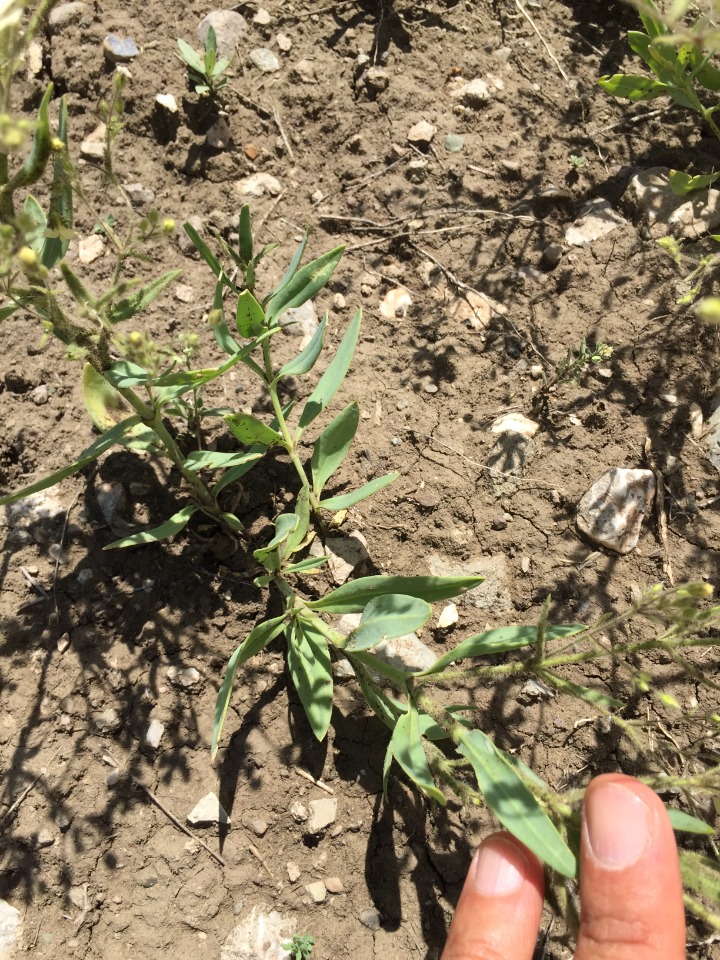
x,y
99,871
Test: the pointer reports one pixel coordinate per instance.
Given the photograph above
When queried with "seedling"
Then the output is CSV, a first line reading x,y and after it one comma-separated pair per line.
x,y
206,73
569,370
300,947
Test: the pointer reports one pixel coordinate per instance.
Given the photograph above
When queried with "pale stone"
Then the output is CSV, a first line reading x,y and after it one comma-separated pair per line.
x,y
262,17
448,616
259,936
230,28
265,60
299,812
334,885
515,423
476,93
184,293
300,321
258,185
395,303
597,219
421,133
696,420
183,677
304,71
316,891
39,508
322,814
66,14
90,248
138,193
167,101
493,594
9,929
475,310
107,721
293,871
665,212
712,437
347,554
284,42
207,811
405,653
93,146
154,734
34,58
611,512
111,499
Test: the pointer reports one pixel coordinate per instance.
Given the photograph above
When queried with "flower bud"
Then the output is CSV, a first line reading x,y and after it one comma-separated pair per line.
x,y
168,226
28,258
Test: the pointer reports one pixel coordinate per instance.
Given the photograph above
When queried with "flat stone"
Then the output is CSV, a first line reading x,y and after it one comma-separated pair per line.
x,y
347,555
322,813
139,194
208,811
93,146
111,500
421,133
262,17
108,720
66,14
34,58
454,143
405,653
515,423
475,310
259,828
265,60
299,812
597,219
304,71
611,512
664,212
230,28
90,248
167,101
395,303
293,871
258,185
9,929
154,734
316,891
370,918
119,49
40,395
284,42
448,616
492,595
219,136
334,885
476,93
376,81
300,321
184,293
46,838
185,677
259,936
147,877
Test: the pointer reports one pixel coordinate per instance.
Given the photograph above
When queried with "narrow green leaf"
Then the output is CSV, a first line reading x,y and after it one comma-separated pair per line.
x,y
294,263
34,165
250,317
245,237
353,597
77,288
332,445
594,697
102,401
248,430
305,361
386,617
308,565
218,325
258,638
708,76
269,556
700,874
684,823
683,183
309,665
236,473
334,375
641,44
499,640
304,284
345,500
408,750
35,235
60,214
6,312
215,460
191,57
633,88
298,535
142,298
103,443
204,250
513,804
166,530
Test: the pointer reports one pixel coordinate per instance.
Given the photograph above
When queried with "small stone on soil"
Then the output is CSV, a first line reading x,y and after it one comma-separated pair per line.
x,y
454,143
322,814
90,248
39,395
395,303
119,49
304,71
258,185
334,885
265,60
230,28
139,194
299,812
317,891
293,871
167,101
422,133
154,734
376,81
665,212
111,499
284,42
448,616
611,512
476,93
108,720
597,219
515,423
259,828
207,811
66,14
262,17
93,146
63,643
370,918
184,677
551,256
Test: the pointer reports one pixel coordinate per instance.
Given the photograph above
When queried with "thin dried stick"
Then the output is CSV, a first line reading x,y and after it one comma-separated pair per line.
x,y
356,184
318,783
544,42
26,791
59,554
173,819
660,507
278,123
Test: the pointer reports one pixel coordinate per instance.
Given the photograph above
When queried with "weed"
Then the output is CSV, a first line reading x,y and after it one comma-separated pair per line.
x,y
569,370
300,947
206,73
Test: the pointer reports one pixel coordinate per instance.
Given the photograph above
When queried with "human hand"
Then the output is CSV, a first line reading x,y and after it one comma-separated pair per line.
x,y
631,899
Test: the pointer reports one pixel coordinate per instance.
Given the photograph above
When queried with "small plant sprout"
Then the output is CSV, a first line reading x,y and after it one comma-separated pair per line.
x,y
300,947
569,370
206,73
577,162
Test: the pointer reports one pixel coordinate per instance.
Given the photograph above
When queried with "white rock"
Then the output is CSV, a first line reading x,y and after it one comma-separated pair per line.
x,y
515,423
317,891
207,811
537,690
300,321
346,554
93,146
219,136
138,193
111,499
696,421
421,133
493,594
304,71
395,303
167,101
34,58
184,293
475,310
183,677
63,643
230,28
293,871
405,653
258,185
665,212
66,14
108,720
284,42
597,219
9,929
265,60
90,248
476,93
299,812
448,617
259,936
611,512
154,734
322,813
262,17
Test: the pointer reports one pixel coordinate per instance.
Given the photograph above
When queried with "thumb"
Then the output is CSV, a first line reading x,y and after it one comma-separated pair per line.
x,y
631,898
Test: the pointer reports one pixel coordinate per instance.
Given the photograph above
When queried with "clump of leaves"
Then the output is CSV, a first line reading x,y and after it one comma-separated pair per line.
x,y
206,72
569,370
300,947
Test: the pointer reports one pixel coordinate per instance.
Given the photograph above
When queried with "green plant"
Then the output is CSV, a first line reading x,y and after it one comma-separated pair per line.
x,y
569,370
206,73
300,947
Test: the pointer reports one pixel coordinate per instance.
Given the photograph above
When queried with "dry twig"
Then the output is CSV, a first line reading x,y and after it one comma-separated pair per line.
x,y
318,783
544,42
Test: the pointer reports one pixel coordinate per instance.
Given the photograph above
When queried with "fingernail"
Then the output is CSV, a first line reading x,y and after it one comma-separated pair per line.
x,y
500,868
618,825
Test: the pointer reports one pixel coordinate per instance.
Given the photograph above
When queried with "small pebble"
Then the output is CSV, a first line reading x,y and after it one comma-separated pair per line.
x,y
251,151
259,828
39,395
57,553
339,301
422,133
262,17
525,564
184,293
118,49
498,523
93,146
264,60
90,248
551,256
63,643
334,885
293,871
284,42
430,388
317,891
167,101
454,143
154,734
370,918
